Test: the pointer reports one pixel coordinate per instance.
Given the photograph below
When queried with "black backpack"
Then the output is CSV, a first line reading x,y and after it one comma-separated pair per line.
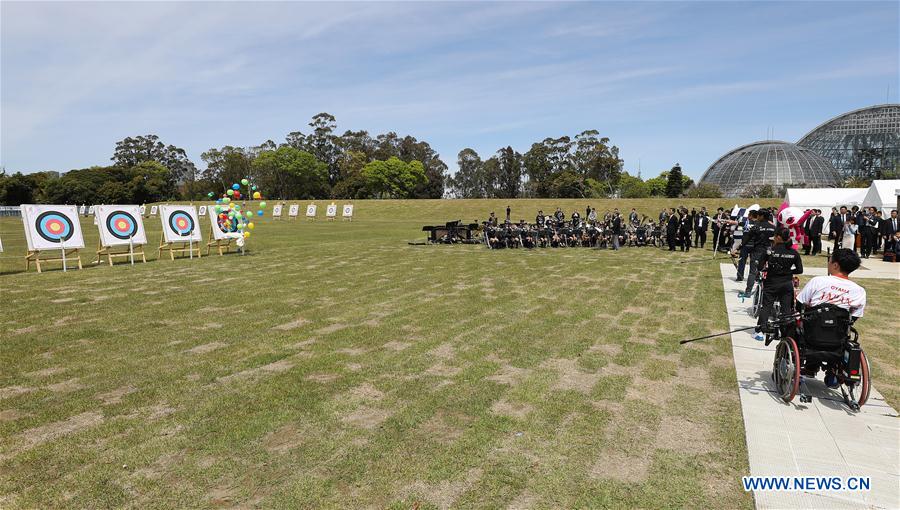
x,y
826,327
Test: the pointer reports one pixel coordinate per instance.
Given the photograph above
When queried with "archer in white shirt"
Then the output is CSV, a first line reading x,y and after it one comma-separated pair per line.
x,y
837,288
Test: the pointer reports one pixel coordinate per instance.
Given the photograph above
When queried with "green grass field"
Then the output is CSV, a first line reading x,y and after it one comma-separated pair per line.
x,y
336,366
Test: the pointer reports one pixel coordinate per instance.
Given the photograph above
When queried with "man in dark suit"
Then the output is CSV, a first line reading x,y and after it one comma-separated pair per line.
x,y
889,227
807,227
685,227
815,232
701,225
837,227
671,229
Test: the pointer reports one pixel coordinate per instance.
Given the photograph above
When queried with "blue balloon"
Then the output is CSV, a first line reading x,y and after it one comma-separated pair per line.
x,y
235,186
259,212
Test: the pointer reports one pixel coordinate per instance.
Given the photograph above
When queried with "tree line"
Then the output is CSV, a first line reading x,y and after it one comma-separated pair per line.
x,y
320,163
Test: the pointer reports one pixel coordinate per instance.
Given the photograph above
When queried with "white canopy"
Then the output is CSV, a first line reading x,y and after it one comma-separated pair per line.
x,y
824,198
882,195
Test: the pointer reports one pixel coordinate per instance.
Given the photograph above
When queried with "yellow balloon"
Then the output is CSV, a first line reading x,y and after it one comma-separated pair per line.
x,y
246,235
250,225
256,195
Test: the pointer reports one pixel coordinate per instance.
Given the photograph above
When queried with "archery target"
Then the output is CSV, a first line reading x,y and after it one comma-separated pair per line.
x,y
120,223
220,230
51,227
293,210
90,210
202,210
143,210
311,210
153,210
348,211
180,223
276,210
331,211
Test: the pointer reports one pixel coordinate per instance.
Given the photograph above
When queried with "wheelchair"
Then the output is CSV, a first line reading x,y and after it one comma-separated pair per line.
x,y
825,340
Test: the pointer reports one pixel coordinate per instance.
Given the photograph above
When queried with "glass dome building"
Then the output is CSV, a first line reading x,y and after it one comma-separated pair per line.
x,y
862,143
745,169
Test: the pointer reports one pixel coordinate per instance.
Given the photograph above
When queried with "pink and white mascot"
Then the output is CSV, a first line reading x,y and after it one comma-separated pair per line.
x,y
792,218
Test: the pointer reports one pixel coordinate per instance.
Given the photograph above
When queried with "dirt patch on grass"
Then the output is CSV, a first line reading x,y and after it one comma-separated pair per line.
x,y
203,349
62,300
115,396
371,323
161,466
443,351
291,325
25,330
322,378
354,367
511,409
33,437
66,386
12,391
523,501
211,325
690,437
301,345
11,415
620,467
283,440
442,370
570,377
441,428
396,346
331,329
46,372
351,351
367,417
509,374
446,492
366,392
272,368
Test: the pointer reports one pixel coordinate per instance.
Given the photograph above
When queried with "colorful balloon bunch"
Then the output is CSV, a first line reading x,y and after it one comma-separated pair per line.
x,y
231,216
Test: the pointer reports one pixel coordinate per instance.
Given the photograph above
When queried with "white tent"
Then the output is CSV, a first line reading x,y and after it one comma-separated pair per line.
x,y
824,198
882,195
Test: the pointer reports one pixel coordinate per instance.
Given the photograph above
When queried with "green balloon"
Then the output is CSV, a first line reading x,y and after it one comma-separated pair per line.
x,y
262,204
245,182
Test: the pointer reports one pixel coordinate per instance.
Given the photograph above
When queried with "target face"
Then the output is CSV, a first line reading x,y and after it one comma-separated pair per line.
x,y
181,223
54,227
121,225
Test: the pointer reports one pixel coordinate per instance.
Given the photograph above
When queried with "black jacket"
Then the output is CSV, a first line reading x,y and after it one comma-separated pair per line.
x,y
815,228
672,225
887,226
782,263
702,223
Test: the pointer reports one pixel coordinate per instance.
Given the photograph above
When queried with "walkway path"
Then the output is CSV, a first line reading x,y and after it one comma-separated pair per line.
x,y
822,438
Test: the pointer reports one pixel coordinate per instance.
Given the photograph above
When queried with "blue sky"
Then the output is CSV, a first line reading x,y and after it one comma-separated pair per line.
x,y
666,82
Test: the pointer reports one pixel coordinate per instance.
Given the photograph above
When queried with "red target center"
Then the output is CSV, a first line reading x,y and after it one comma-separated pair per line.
x,y
181,222
55,227
122,225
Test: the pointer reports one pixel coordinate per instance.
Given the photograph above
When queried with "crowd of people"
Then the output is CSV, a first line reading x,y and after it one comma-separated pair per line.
x,y
611,230
864,231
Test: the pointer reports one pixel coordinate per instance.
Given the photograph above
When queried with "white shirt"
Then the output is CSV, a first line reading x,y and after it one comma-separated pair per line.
x,y
836,290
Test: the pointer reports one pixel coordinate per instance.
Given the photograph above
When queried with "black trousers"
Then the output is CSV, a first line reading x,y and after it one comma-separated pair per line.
x,y
700,238
780,291
754,257
670,240
686,241
816,245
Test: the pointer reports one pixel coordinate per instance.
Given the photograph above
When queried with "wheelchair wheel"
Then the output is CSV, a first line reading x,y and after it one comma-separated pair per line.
x,y
757,302
864,383
786,369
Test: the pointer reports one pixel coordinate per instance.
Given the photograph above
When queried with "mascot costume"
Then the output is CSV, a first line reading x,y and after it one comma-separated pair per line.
x,y
793,218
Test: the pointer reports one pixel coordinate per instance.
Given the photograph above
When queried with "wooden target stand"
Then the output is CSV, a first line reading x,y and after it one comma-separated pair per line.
x,y
181,247
222,245
62,255
110,253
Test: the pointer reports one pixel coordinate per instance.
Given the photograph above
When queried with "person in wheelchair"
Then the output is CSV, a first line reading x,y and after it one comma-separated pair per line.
x,y
835,290
781,262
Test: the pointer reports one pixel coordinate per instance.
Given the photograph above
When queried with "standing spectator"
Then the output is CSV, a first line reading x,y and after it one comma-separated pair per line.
x,y
700,228
815,232
889,227
849,235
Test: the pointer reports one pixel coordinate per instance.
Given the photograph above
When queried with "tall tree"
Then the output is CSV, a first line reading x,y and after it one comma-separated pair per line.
x,y
288,173
675,183
133,150
394,178
469,179
509,180
322,143
539,169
